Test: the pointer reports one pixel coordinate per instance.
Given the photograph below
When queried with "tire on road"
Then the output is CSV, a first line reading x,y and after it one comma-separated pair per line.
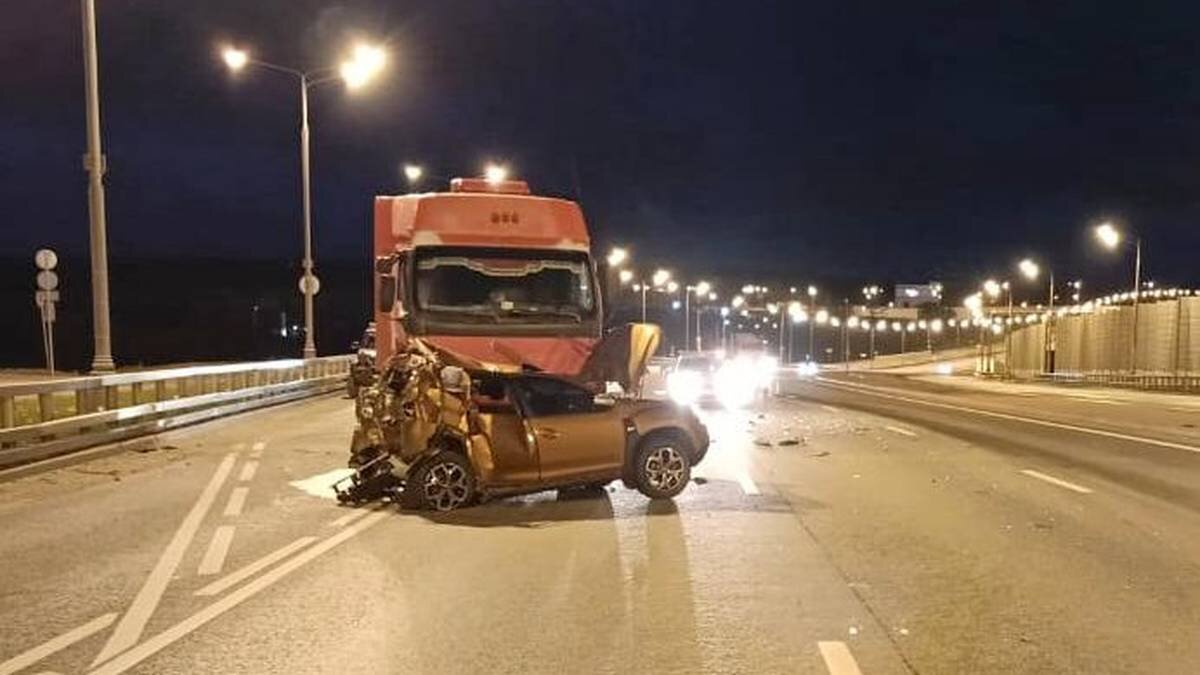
x,y
663,465
443,482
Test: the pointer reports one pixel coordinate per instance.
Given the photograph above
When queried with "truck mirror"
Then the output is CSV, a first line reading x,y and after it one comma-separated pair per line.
x,y
387,293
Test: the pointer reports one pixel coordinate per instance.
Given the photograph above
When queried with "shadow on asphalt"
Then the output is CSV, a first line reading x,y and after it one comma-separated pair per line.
x,y
534,511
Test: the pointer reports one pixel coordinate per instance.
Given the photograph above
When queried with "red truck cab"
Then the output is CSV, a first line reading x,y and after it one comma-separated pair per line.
x,y
488,271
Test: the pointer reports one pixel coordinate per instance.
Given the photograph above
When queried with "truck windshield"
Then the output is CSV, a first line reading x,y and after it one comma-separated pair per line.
x,y
505,285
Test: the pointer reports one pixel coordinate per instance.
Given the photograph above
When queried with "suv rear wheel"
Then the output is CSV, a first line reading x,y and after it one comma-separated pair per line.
x,y
663,468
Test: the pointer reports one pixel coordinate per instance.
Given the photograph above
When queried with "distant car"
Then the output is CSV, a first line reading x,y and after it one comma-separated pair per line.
x,y
732,381
362,371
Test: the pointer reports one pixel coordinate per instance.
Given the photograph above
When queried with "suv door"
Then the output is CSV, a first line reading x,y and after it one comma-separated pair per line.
x,y
575,436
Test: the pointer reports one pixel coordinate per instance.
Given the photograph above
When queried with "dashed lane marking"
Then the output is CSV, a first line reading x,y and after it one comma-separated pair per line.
x,y
218,550
248,470
1057,481
31,656
829,408
237,501
902,431
144,650
345,520
838,658
241,574
130,628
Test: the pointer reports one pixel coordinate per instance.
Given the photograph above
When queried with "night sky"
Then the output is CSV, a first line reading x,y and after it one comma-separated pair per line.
x,y
887,141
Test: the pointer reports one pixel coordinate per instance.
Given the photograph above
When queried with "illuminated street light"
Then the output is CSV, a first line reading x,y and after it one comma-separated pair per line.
x,y
363,66
712,296
235,58
812,291
616,256
625,276
1029,268
822,316
495,173
772,308
672,286
737,301
992,288
365,63
1108,235
660,277
702,288
413,173
852,322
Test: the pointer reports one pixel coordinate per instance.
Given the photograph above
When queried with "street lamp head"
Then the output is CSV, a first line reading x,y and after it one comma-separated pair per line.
x,y
737,301
703,288
822,316
1029,268
812,291
365,63
992,288
1108,235
625,276
617,256
235,58
712,296
413,173
660,277
672,286
495,173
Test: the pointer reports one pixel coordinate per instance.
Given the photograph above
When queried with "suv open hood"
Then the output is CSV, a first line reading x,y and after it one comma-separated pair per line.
x,y
621,356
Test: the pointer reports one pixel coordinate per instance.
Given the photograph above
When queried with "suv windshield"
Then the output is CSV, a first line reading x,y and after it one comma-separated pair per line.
x,y
505,285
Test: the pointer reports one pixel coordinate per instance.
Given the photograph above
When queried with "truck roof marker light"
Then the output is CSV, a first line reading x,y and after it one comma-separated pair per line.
x,y
508,187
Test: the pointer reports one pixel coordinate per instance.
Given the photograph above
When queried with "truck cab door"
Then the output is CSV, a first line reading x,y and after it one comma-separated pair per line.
x,y
575,436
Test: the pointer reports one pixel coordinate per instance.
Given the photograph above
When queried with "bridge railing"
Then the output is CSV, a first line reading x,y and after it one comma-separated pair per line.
x,y
46,418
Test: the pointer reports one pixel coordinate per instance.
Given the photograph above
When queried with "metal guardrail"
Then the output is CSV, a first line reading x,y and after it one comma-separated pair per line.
x,y
1148,381
53,417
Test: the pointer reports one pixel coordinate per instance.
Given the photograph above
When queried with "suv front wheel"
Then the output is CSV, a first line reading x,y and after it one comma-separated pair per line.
x,y
663,468
444,482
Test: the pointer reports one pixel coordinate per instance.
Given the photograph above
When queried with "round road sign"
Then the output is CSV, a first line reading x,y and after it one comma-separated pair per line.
x,y
45,259
47,280
316,284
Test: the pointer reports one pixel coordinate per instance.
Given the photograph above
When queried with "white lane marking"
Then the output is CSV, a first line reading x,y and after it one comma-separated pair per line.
x,y
31,656
238,447
248,470
838,658
218,549
868,390
237,501
256,450
348,518
1056,481
1089,399
153,645
241,574
130,628
902,431
829,408
748,486
321,485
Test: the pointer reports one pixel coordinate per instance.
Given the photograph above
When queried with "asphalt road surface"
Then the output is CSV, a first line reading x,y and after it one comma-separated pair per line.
x,y
860,524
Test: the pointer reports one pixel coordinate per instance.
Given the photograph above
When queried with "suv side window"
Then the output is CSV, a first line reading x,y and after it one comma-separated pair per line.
x,y
548,396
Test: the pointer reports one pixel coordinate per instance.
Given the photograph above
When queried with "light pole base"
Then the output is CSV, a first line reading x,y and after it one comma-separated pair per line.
x,y
310,351
103,363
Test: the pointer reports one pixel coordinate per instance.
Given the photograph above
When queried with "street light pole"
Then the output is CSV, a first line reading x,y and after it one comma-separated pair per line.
x,y
95,164
310,346
1137,295
687,325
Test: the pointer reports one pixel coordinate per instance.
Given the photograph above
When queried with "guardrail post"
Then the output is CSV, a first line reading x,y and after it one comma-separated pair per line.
x,y
8,412
46,407
160,390
112,397
138,391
